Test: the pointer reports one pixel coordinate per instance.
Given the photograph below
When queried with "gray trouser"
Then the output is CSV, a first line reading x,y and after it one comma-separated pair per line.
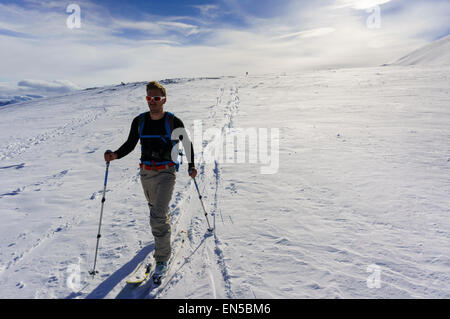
x,y
158,189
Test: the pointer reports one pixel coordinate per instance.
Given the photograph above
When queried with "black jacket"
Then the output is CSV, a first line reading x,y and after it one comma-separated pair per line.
x,y
154,149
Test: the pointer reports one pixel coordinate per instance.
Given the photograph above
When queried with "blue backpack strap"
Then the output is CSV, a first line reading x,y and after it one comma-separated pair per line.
x,y
169,128
141,123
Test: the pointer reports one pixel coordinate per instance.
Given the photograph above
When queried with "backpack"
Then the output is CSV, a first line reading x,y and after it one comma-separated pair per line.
x,y
167,138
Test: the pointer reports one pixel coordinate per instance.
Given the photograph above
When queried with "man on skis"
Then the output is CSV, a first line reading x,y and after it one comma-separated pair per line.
x,y
158,165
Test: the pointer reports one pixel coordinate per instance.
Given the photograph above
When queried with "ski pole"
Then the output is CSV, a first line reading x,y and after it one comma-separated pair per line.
x,y
93,272
201,201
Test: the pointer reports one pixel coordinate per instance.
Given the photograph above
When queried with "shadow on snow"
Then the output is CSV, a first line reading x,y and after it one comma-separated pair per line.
x,y
108,285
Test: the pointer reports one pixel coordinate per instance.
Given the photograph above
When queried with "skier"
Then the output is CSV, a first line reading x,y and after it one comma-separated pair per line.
x,y
157,167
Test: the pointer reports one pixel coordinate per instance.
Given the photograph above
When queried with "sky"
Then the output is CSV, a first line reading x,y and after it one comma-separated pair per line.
x,y
56,46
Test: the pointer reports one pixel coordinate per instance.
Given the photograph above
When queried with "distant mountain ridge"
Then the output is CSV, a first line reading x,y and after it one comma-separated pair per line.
x,y
18,98
435,53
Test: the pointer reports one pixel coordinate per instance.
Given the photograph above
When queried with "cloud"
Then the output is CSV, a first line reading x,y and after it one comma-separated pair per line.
x,y
294,36
308,33
56,86
15,34
138,25
187,29
208,10
360,4
26,90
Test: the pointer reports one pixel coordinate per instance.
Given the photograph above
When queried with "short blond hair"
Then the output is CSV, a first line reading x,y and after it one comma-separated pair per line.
x,y
156,85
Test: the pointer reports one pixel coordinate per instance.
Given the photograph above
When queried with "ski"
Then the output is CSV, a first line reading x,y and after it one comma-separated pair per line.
x,y
146,269
140,274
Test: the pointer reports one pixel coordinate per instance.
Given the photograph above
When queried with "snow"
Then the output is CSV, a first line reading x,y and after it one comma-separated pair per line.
x,y
362,186
434,54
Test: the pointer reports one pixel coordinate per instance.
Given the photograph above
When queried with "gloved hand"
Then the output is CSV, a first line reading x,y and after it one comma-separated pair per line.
x,y
110,156
192,172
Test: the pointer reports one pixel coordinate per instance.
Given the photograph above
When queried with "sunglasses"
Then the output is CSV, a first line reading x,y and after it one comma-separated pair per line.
x,y
154,98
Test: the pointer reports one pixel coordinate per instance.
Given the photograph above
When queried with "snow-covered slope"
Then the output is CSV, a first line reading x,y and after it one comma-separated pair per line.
x,y
433,54
361,192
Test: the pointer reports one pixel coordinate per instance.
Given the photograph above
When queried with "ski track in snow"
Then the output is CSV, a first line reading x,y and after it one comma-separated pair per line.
x,y
17,148
218,251
49,181
231,110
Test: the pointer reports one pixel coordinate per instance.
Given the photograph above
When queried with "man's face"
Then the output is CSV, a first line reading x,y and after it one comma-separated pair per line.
x,y
155,107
